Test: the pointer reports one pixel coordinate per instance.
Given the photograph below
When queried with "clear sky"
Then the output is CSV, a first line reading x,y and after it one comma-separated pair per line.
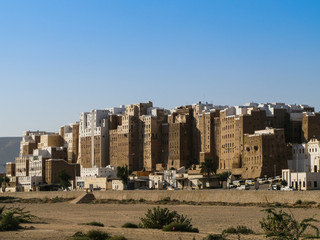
x,y
60,58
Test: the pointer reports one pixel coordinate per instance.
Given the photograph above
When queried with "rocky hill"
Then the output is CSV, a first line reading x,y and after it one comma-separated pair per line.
x,y
9,150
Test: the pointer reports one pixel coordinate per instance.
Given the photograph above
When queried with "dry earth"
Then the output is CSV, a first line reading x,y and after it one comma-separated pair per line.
x,y
61,220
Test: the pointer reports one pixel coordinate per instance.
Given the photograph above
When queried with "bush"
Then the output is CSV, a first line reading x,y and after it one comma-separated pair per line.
x,y
160,217
179,227
98,224
214,237
298,202
166,199
11,218
97,235
239,230
281,225
56,199
129,225
9,222
79,236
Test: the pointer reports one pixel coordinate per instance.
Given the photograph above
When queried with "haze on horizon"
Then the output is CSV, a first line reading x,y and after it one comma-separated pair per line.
x,y
61,58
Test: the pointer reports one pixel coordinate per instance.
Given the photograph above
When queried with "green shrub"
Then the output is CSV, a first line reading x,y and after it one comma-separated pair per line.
x,y
281,225
309,202
298,202
166,199
11,218
56,199
158,217
129,225
9,222
80,236
214,237
97,235
98,224
7,199
239,230
142,200
179,227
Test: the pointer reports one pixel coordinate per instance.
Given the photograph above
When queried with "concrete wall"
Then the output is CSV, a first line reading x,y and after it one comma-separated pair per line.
x,y
42,195
232,196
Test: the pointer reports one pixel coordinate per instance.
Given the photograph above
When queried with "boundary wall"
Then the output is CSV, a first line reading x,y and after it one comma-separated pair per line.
x,y
217,195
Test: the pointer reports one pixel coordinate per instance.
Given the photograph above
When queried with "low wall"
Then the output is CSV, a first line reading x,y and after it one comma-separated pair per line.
x,y
42,195
229,196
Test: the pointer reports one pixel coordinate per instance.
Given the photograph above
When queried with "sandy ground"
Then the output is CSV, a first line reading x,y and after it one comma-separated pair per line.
x,y
61,220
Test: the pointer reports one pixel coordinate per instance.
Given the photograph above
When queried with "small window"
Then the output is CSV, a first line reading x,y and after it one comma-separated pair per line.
x,y
315,184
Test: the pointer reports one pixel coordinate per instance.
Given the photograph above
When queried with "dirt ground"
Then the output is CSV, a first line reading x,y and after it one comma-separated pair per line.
x,y
61,220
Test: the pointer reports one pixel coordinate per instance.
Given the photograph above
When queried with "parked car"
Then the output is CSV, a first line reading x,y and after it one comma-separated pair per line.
x,y
238,183
249,182
262,180
275,187
286,188
243,187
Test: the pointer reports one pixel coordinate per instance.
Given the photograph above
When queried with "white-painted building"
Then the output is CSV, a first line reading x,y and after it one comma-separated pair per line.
x,y
314,154
118,185
95,125
88,175
306,180
108,171
304,172
22,165
300,161
156,180
29,182
171,175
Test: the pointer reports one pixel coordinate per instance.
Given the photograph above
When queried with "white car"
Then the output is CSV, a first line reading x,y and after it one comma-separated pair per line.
x,y
286,188
243,187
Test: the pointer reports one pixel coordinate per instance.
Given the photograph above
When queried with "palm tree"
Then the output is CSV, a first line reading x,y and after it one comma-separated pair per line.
x,y
208,167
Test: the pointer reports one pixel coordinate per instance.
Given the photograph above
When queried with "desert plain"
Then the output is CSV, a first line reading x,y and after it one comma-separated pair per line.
x,y
61,220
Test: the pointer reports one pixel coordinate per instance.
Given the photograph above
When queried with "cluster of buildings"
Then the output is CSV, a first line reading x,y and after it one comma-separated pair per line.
x,y
250,141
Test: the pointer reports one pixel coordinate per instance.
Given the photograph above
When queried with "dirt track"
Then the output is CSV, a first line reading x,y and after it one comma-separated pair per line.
x,y
61,220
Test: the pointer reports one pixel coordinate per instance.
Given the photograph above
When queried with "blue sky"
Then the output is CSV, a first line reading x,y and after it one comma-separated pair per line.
x,y
60,58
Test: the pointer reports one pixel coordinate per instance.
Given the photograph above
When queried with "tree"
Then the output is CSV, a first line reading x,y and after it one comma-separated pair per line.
x,y
284,183
159,217
4,179
64,179
208,167
223,176
123,174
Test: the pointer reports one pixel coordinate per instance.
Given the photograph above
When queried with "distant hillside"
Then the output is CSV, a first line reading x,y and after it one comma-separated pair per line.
x,y
9,150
